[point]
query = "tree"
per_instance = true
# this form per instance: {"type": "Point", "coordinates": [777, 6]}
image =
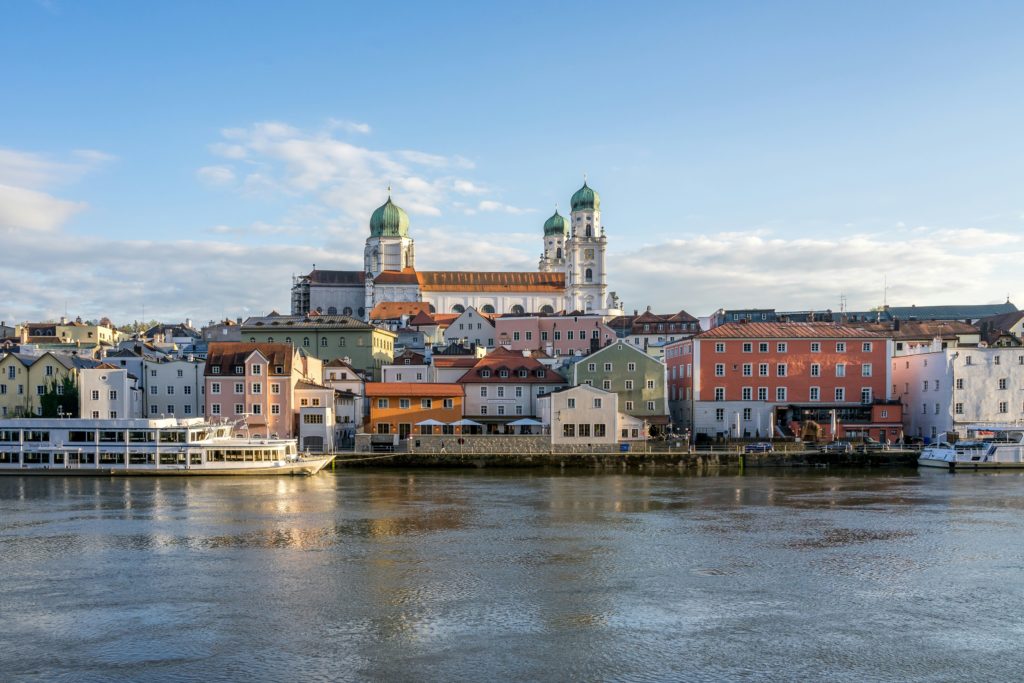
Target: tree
{"type": "Point", "coordinates": [60, 397]}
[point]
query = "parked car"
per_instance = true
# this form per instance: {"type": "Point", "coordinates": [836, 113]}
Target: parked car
{"type": "Point", "coordinates": [872, 446]}
{"type": "Point", "coordinates": [760, 447]}
{"type": "Point", "coordinates": [837, 447]}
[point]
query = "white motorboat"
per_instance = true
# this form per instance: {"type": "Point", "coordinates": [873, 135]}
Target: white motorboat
{"type": "Point", "coordinates": [1005, 450]}
{"type": "Point", "coordinates": [166, 446]}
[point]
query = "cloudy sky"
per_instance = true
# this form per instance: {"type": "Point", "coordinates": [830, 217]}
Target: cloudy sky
{"type": "Point", "coordinates": [186, 159]}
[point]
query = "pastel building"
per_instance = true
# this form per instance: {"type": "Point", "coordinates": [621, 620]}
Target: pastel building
{"type": "Point", "coordinates": [637, 378]}
{"type": "Point", "coordinates": [784, 379]}
{"type": "Point", "coordinates": [256, 385]}
{"type": "Point", "coordinates": [585, 415]}
{"type": "Point", "coordinates": [555, 335]}
{"type": "Point", "coordinates": [398, 407]}
{"type": "Point", "coordinates": [503, 386]}
{"type": "Point", "coordinates": [108, 392]}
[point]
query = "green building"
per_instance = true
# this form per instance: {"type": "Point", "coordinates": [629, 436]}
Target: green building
{"type": "Point", "coordinates": [327, 337]}
{"type": "Point", "coordinates": [637, 378]}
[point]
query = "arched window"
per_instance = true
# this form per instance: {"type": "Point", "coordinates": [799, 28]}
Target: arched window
{"type": "Point", "coordinates": [458, 308]}
{"type": "Point", "coordinates": [347, 310]}
{"type": "Point", "coordinates": [319, 309]}
{"type": "Point", "coordinates": [487, 308]}
{"type": "Point", "coordinates": [305, 341]}
{"type": "Point", "coordinates": [287, 340]}
{"type": "Point", "coordinates": [558, 253]}
{"type": "Point", "coordinates": [547, 309]}
{"type": "Point", "coordinates": [362, 311]}
{"type": "Point", "coordinates": [332, 310]}
{"type": "Point", "coordinates": [590, 231]}
{"type": "Point", "coordinates": [518, 310]}
{"type": "Point", "coordinates": [270, 340]}
{"type": "Point", "coordinates": [252, 340]}
{"type": "Point", "coordinates": [588, 275]}
{"type": "Point", "coordinates": [431, 307]}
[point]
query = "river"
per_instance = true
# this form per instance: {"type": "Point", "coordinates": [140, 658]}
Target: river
{"type": "Point", "coordinates": [532, 575]}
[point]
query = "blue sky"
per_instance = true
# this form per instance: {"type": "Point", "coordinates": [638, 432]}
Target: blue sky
{"type": "Point", "coordinates": [189, 157]}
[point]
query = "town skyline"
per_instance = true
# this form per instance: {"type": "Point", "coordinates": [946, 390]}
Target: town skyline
{"type": "Point", "coordinates": [734, 170]}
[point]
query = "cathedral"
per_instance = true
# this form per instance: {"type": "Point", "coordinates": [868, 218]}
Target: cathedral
{"type": "Point", "coordinates": [571, 275]}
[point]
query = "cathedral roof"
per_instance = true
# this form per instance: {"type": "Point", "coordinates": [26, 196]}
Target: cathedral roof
{"type": "Point", "coordinates": [396, 277]}
{"type": "Point", "coordinates": [556, 225]}
{"type": "Point", "coordinates": [389, 220]}
{"type": "Point", "coordinates": [337, 277]}
{"type": "Point", "coordinates": [457, 281]}
{"type": "Point", "coordinates": [585, 198]}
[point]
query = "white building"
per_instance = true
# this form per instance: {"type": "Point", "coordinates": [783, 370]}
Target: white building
{"type": "Point", "coordinates": [949, 390]}
{"type": "Point", "coordinates": [173, 388]}
{"type": "Point", "coordinates": [106, 392]}
{"type": "Point", "coordinates": [585, 415]}
{"type": "Point", "coordinates": [471, 327]}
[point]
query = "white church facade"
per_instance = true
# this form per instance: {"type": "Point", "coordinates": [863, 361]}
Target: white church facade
{"type": "Point", "coordinates": [571, 274]}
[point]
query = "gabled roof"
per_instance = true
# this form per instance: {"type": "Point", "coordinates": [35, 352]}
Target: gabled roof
{"type": "Point", "coordinates": [459, 281]}
{"type": "Point", "coordinates": [513, 361]}
{"type": "Point", "coordinates": [227, 355]}
{"type": "Point", "coordinates": [757, 330]}
{"type": "Point", "coordinates": [422, 319]}
{"type": "Point", "coordinates": [1003, 321]}
{"type": "Point", "coordinates": [411, 356]}
{"type": "Point", "coordinates": [412, 389]}
{"type": "Point", "coordinates": [390, 310]}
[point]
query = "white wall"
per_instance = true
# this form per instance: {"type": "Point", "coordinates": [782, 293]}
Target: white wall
{"type": "Point", "coordinates": [108, 394]}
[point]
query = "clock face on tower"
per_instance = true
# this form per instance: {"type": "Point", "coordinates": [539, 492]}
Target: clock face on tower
{"type": "Point", "coordinates": [588, 253]}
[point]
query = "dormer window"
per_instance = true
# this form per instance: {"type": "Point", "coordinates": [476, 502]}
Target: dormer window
{"type": "Point", "coordinates": [503, 373]}
{"type": "Point", "coordinates": [523, 373]}
{"type": "Point", "coordinates": [485, 373]}
{"type": "Point", "coordinates": [239, 369]}
{"type": "Point", "coordinates": [540, 373]}
{"type": "Point", "coordinates": [279, 369]}
{"type": "Point", "coordinates": [214, 370]}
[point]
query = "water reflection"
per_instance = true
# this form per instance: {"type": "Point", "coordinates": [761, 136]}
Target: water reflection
{"type": "Point", "coordinates": [513, 575]}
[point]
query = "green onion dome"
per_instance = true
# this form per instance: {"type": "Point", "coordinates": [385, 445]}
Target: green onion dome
{"type": "Point", "coordinates": [556, 225]}
{"type": "Point", "coordinates": [586, 199]}
{"type": "Point", "coordinates": [389, 220]}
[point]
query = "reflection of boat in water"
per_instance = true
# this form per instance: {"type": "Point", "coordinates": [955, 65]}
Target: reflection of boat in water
{"type": "Point", "coordinates": [1004, 450]}
{"type": "Point", "coordinates": [165, 446]}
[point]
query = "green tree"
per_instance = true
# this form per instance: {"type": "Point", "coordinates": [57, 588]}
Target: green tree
{"type": "Point", "coordinates": [60, 397]}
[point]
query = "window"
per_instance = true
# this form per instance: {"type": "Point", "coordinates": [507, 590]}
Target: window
{"type": "Point", "coordinates": [720, 347]}
{"type": "Point", "coordinates": [113, 394]}
{"type": "Point", "coordinates": [748, 347]}
{"type": "Point", "coordinates": [815, 347]}
{"type": "Point", "coordinates": [815, 394]}
{"type": "Point", "coordinates": [762, 369]}
{"type": "Point", "coordinates": [383, 428]}
{"type": "Point", "coordinates": [501, 392]}
{"type": "Point", "coordinates": [449, 403]}
{"type": "Point", "coordinates": [170, 391]}
{"type": "Point", "coordinates": [599, 430]}
{"type": "Point", "coordinates": [866, 347]}
{"type": "Point", "coordinates": [275, 388]}
{"type": "Point", "coordinates": [607, 367]}
{"type": "Point", "coordinates": [239, 387]}
{"type": "Point", "coordinates": [936, 408]}
{"type": "Point", "coordinates": [719, 369]}
{"type": "Point", "coordinates": [748, 369]}
{"type": "Point", "coordinates": [257, 409]}
{"type": "Point", "coordinates": [95, 395]}
{"type": "Point", "coordinates": [924, 385]}
{"type": "Point", "coordinates": [747, 414]}
{"type": "Point", "coordinates": [382, 403]}
{"type": "Point", "coordinates": [214, 409]}
{"type": "Point", "coordinates": [629, 385]}
{"type": "Point", "coordinates": [597, 402]}
{"type": "Point", "coordinates": [483, 392]}
{"type": "Point", "coordinates": [762, 393]}
{"type": "Point", "coordinates": [840, 369]}
{"type": "Point", "coordinates": [257, 388]}
{"type": "Point", "coordinates": [631, 367]}
{"type": "Point", "coordinates": [606, 385]}
{"type": "Point", "coordinates": [781, 369]}
{"type": "Point", "coordinates": [995, 360]}
{"type": "Point", "coordinates": [570, 403]}
{"type": "Point", "coordinates": [958, 408]}
{"type": "Point", "coordinates": [629, 405]}
{"type": "Point", "coordinates": [153, 389]}
{"type": "Point", "coordinates": [781, 347]}
{"type": "Point", "coordinates": [780, 393]}
{"type": "Point", "coordinates": [865, 370]}
{"type": "Point", "coordinates": [404, 403]}
{"type": "Point", "coordinates": [650, 405]}
{"type": "Point", "coordinates": [187, 390]}
{"type": "Point", "coordinates": [719, 393]}
{"type": "Point", "coordinates": [239, 409]}
{"type": "Point", "coordinates": [960, 383]}
{"type": "Point", "coordinates": [720, 414]}
{"type": "Point", "coordinates": [591, 367]}
{"type": "Point", "coordinates": [747, 393]}
{"type": "Point", "coordinates": [650, 384]}
{"type": "Point", "coordinates": [967, 360]}
{"type": "Point", "coordinates": [305, 341]}
{"type": "Point", "coordinates": [815, 370]}
{"type": "Point", "coordinates": [275, 409]}
{"type": "Point", "coordinates": [1002, 383]}
{"type": "Point", "coordinates": [762, 347]}
{"type": "Point", "coordinates": [483, 410]}
{"type": "Point", "coordinates": [840, 394]}
{"type": "Point", "coordinates": [569, 430]}
{"type": "Point", "coordinates": [840, 347]}
{"type": "Point", "coordinates": [323, 342]}
{"type": "Point", "coordinates": [255, 370]}
{"type": "Point", "coordinates": [865, 395]}
{"type": "Point", "coordinates": [153, 410]}
{"type": "Point", "coordinates": [501, 410]}
{"type": "Point", "coordinates": [515, 336]}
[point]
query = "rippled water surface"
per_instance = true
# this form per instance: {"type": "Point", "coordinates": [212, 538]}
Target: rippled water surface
{"type": "Point", "coordinates": [478, 576]}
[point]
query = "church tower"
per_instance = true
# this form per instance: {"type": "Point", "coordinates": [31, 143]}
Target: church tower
{"type": "Point", "coordinates": [586, 280]}
{"type": "Point", "coordinates": [556, 234]}
{"type": "Point", "coordinates": [389, 246]}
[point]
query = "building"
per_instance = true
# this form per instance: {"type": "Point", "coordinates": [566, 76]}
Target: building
{"type": "Point", "coordinates": [27, 380]}
{"type": "Point", "coordinates": [571, 275]}
{"type": "Point", "coordinates": [735, 315]}
{"type": "Point", "coordinates": [471, 327]}
{"type": "Point", "coordinates": [256, 385]}
{"type": "Point", "coordinates": [555, 335]}
{"type": "Point", "coordinates": [326, 337]}
{"type": "Point", "coordinates": [225, 330]}
{"type": "Point", "coordinates": [398, 407]}
{"type": "Point", "coordinates": [649, 331]}
{"type": "Point", "coordinates": [954, 390]}
{"type": "Point", "coordinates": [913, 336]}
{"type": "Point", "coordinates": [637, 378]}
{"type": "Point", "coordinates": [784, 379]}
{"type": "Point", "coordinates": [503, 386]}
{"type": "Point", "coordinates": [408, 367]}
{"type": "Point", "coordinates": [584, 415]}
{"type": "Point", "coordinates": [108, 392]}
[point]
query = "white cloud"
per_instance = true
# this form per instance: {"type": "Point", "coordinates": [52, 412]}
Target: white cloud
{"type": "Point", "coordinates": [493, 206]}
{"type": "Point", "coordinates": [216, 175]}
{"type": "Point", "coordinates": [467, 187]}
{"type": "Point", "coordinates": [22, 209]}
{"type": "Point", "coordinates": [349, 126]}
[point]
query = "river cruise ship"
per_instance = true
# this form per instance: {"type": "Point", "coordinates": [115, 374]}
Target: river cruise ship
{"type": "Point", "coordinates": [165, 446]}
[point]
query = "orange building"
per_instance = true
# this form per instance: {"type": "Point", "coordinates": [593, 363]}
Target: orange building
{"type": "Point", "coordinates": [399, 407]}
{"type": "Point", "coordinates": [783, 379]}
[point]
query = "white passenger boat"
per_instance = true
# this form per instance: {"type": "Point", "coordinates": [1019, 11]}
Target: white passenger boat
{"type": "Point", "coordinates": [165, 446]}
{"type": "Point", "coordinates": [1005, 450]}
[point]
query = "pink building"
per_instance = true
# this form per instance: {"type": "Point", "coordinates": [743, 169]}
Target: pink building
{"type": "Point", "coordinates": [555, 335]}
{"type": "Point", "coordinates": [259, 383]}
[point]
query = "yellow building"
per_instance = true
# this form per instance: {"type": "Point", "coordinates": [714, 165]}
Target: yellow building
{"type": "Point", "coordinates": [25, 379]}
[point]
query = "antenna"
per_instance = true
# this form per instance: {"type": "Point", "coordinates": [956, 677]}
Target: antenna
{"type": "Point", "coordinates": [885, 291]}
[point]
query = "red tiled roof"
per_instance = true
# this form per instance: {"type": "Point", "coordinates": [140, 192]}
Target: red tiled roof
{"type": "Point", "coordinates": [921, 329]}
{"type": "Point", "coordinates": [396, 277]}
{"type": "Point", "coordinates": [387, 310]}
{"type": "Point", "coordinates": [786, 331]}
{"type": "Point", "coordinates": [418, 389]}
{"type": "Point", "coordinates": [454, 361]}
{"type": "Point", "coordinates": [422, 318]}
{"type": "Point", "coordinates": [458, 281]}
{"type": "Point", "coordinates": [227, 355]}
{"type": "Point", "coordinates": [513, 361]}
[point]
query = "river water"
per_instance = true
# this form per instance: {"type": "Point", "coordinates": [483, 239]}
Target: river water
{"type": "Point", "coordinates": [525, 575]}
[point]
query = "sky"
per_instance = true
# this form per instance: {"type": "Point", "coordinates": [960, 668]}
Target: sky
{"type": "Point", "coordinates": [185, 160]}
